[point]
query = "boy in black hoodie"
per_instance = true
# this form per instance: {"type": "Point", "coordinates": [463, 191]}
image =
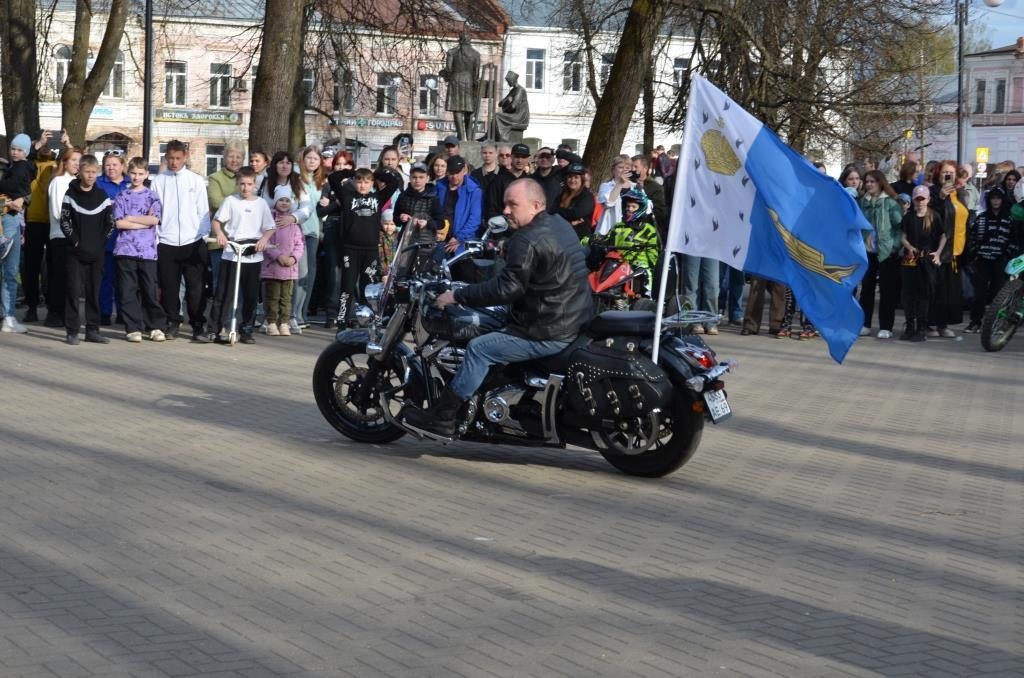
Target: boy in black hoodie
{"type": "Point", "coordinates": [87, 220]}
{"type": "Point", "coordinates": [418, 202]}
{"type": "Point", "coordinates": [359, 223]}
{"type": "Point", "coordinates": [991, 243]}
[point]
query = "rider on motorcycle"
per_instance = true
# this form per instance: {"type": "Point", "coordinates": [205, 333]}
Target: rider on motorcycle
{"type": "Point", "coordinates": [636, 236]}
{"type": "Point", "coordinates": [544, 283]}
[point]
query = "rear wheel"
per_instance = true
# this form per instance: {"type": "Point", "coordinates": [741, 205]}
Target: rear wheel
{"type": "Point", "coordinates": [645, 305]}
{"type": "Point", "coordinates": [678, 433]}
{"type": "Point", "coordinates": [1000, 321]}
{"type": "Point", "coordinates": [339, 373]}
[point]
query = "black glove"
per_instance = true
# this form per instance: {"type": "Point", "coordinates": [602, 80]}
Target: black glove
{"type": "Point", "coordinates": [595, 255]}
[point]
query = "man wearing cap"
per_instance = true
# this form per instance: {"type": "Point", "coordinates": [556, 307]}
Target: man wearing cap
{"type": "Point", "coordinates": [549, 178]}
{"type": "Point", "coordinates": [494, 201]}
{"type": "Point", "coordinates": [544, 283]}
{"type": "Point", "coordinates": [460, 202]}
{"type": "Point", "coordinates": [451, 145]}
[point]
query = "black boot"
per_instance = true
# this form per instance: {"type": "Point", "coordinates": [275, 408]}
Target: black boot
{"type": "Point", "coordinates": [909, 330]}
{"type": "Point", "coordinates": [439, 418]}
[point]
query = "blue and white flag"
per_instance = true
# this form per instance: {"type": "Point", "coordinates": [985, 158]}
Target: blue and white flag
{"type": "Point", "coordinates": [744, 197]}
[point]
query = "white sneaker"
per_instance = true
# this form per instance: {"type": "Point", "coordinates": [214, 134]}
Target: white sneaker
{"type": "Point", "coordinates": [865, 331]}
{"type": "Point", "coordinates": [134, 337]}
{"type": "Point", "coordinates": [947, 333]}
{"type": "Point", "coordinates": [11, 324]}
{"type": "Point", "coordinates": [284, 330]}
{"type": "Point", "coordinates": [884, 334]}
{"type": "Point", "coordinates": [272, 330]}
{"type": "Point", "coordinates": [294, 326]}
{"type": "Point", "coordinates": [157, 335]}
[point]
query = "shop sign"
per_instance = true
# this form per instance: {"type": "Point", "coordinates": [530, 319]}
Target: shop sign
{"type": "Point", "coordinates": [199, 116]}
{"type": "Point", "coordinates": [386, 123]}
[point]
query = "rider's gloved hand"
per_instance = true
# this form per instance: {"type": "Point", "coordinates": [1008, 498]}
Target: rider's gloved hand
{"type": "Point", "coordinates": [595, 255]}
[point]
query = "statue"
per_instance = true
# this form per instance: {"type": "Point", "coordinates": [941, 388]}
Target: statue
{"type": "Point", "coordinates": [513, 114]}
{"type": "Point", "coordinates": [462, 72]}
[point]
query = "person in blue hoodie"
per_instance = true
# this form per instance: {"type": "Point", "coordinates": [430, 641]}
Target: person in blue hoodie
{"type": "Point", "coordinates": [461, 204]}
{"type": "Point", "coordinates": [112, 181]}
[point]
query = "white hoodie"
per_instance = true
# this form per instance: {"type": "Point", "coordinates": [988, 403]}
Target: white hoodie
{"type": "Point", "coordinates": [55, 192]}
{"type": "Point", "coordinates": [186, 208]}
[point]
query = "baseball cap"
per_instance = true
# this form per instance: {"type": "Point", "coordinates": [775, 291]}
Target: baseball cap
{"type": "Point", "coordinates": [418, 167]}
{"type": "Point", "coordinates": [575, 168]}
{"type": "Point", "coordinates": [451, 140]}
{"type": "Point", "coordinates": [522, 150]}
{"type": "Point", "coordinates": [456, 164]}
{"type": "Point", "coordinates": [903, 197]}
{"type": "Point", "coordinates": [921, 192]}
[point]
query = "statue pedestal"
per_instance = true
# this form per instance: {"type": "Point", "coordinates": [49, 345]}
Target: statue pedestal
{"type": "Point", "coordinates": [469, 150]}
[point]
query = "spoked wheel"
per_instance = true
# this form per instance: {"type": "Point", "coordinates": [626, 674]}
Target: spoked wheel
{"type": "Point", "coordinates": [337, 380]}
{"type": "Point", "coordinates": [1002, 317]}
{"type": "Point", "coordinates": [655, 445]}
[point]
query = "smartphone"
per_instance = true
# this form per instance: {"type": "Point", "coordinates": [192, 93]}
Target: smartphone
{"type": "Point", "coordinates": [54, 143]}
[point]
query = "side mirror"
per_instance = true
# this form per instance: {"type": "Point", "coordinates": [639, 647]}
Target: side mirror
{"type": "Point", "coordinates": [498, 224]}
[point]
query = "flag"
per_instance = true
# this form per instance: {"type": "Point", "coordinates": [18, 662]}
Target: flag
{"type": "Point", "coordinates": [746, 198]}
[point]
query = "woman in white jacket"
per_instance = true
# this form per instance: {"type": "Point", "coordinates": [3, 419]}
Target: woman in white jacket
{"type": "Point", "coordinates": [65, 171]}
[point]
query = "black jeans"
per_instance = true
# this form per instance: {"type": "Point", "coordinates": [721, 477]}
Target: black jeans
{"type": "Point", "coordinates": [353, 264]}
{"type": "Point", "coordinates": [173, 262]}
{"type": "Point", "coordinates": [36, 235]}
{"type": "Point", "coordinates": [56, 276]}
{"type": "Point", "coordinates": [249, 290]}
{"type": "Point", "coordinates": [988, 277]}
{"type": "Point", "coordinates": [887, 276]}
{"type": "Point", "coordinates": [83, 280]}
{"type": "Point", "coordinates": [136, 279]}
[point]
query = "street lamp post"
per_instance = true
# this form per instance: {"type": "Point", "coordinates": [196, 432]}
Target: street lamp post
{"type": "Point", "coordinates": [961, 22]}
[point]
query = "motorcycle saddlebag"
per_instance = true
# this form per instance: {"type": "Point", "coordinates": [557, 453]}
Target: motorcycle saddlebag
{"type": "Point", "coordinates": [612, 379]}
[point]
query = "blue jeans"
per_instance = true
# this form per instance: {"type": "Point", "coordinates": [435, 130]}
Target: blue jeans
{"type": "Point", "coordinates": [497, 348]}
{"type": "Point", "coordinates": [9, 282]}
{"type": "Point", "coordinates": [307, 274]}
{"type": "Point", "coordinates": [701, 276]}
{"type": "Point", "coordinates": [215, 257]}
{"type": "Point", "coordinates": [730, 282]}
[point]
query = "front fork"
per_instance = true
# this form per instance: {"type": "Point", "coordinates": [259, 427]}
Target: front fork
{"type": "Point", "coordinates": [379, 351]}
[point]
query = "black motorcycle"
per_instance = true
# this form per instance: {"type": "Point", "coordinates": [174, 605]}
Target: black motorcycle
{"type": "Point", "coordinates": [603, 392]}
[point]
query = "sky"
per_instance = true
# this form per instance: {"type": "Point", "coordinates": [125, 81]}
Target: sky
{"type": "Point", "coordinates": [1005, 23]}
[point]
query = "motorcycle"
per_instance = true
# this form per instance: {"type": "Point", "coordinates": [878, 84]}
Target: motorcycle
{"type": "Point", "coordinates": [1006, 312]}
{"type": "Point", "coordinates": [603, 392]}
{"type": "Point", "coordinates": [617, 286]}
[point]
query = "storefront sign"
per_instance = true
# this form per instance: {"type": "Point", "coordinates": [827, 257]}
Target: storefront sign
{"type": "Point", "coordinates": [192, 115]}
{"type": "Point", "coordinates": [981, 154]}
{"type": "Point", "coordinates": [444, 126]}
{"type": "Point", "coordinates": [392, 123]}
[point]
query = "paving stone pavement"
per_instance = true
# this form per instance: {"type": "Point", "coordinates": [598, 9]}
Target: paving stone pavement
{"type": "Point", "coordinates": [183, 510]}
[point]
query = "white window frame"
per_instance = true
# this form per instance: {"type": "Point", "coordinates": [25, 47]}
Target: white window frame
{"type": "Point", "coordinates": [572, 71]}
{"type": "Point", "coordinates": [680, 67]}
{"type": "Point", "coordinates": [62, 63]}
{"type": "Point", "coordinates": [221, 81]}
{"type": "Point", "coordinates": [605, 70]}
{"type": "Point", "coordinates": [344, 92]}
{"type": "Point", "coordinates": [387, 93]}
{"type": "Point", "coordinates": [217, 158]}
{"type": "Point", "coordinates": [429, 98]}
{"type": "Point", "coordinates": [309, 86]}
{"type": "Point", "coordinates": [535, 69]}
{"type": "Point", "coordinates": [175, 83]}
{"type": "Point", "coordinates": [114, 87]}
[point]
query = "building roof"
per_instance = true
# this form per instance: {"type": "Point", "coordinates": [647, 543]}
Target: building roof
{"type": "Point", "coordinates": [1008, 49]}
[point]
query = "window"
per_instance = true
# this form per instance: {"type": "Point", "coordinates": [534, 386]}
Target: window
{"type": "Point", "coordinates": [607, 60]}
{"type": "Point", "coordinates": [214, 156]}
{"type": "Point", "coordinates": [220, 85]}
{"type": "Point", "coordinates": [1000, 96]}
{"type": "Point", "coordinates": [344, 93]}
{"type": "Point", "coordinates": [428, 95]}
{"type": "Point", "coordinates": [979, 96]}
{"type": "Point", "coordinates": [571, 72]}
{"type": "Point", "coordinates": [535, 69]}
{"type": "Point", "coordinates": [309, 86]}
{"type": "Point", "coordinates": [387, 93]}
{"type": "Point", "coordinates": [680, 67]}
{"type": "Point", "coordinates": [62, 58]}
{"type": "Point", "coordinates": [174, 83]}
{"type": "Point", "coordinates": [115, 83]}
{"type": "Point", "coordinates": [1017, 103]}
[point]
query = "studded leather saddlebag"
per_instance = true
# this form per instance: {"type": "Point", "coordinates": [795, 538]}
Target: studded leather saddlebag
{"type": "Point", "coordinates": [612, 379]}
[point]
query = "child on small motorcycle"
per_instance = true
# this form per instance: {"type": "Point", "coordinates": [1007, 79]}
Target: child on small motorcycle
{"type": "Point", "coordinates": [635, 237]}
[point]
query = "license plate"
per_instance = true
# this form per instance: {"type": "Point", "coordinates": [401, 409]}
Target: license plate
{"type": "Point", "coordinates": [718, 406]}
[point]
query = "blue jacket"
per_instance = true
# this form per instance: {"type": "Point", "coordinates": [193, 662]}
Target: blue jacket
{"type": "Point", "coordinates": [112, 189]}
{"type": "Point", "coordinates": [468, 209]}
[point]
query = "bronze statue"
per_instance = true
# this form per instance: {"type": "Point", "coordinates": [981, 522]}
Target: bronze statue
{"type": "Point", "coordinates": [462, 72]}
{"type": "Point", "coordinates": [513, 114]}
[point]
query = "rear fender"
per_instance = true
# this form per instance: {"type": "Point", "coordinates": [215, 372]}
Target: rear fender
{"type": "Point", "coordinates": [670, 359]}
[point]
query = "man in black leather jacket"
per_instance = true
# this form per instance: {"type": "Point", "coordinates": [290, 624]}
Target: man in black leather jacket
{"type": "Point", "coordinates": [544, 282]}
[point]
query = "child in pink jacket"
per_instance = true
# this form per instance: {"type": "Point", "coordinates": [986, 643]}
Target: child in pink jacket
{"type": "Point", "coordinates": [280, 268]}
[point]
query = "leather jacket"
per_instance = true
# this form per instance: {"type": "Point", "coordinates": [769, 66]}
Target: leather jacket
{"type": "Point", "coordinates": [544, 282]}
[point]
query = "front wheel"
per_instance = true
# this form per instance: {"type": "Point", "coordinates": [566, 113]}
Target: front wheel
{"type": "Point", "coordinates": [679, 433]}
{"type": "Point", "coordinates": [999, 323]}
{"type": "Point", "coordinates": [337, 378]}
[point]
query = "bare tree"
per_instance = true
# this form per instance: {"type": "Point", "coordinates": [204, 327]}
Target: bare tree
{"type": "Point", "coordinates": [18, 70]}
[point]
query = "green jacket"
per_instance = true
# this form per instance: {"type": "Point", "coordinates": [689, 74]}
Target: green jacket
{"type": "Point", "coordinates": [885, 214]}
{"type": "Point", "coordinates": [640, 246]}
{"type": "Point", "coordinates": [220, 185]}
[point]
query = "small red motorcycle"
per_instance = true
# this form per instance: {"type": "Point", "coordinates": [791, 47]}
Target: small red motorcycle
{"type": "Point", "coordinates": [617, 286]}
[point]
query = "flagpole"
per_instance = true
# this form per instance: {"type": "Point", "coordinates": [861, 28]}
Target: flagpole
{"type": "Point", "coordinates": [659, 312]}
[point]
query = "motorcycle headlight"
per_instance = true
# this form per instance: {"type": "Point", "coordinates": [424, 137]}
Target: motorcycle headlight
{"type": "Point", "coordinates": [372, 293]}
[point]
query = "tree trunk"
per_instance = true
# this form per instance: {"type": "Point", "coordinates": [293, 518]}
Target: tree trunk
{"type": "Point", "coordinates": [649, 110]}
{"type": "Point", "coordinates": [632, 62]}
{"type": "Point", "coordinates": [18, 67]}
{"type": "Point", "coordinates": [297, 117]}
{"type": "Point", "coordinates": [280, 63]}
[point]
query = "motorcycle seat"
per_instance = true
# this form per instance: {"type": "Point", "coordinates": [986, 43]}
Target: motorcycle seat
{"type": "Point", "coordinates": [559, 362]}
{"type": "Point", "coordinates": [622, 323]}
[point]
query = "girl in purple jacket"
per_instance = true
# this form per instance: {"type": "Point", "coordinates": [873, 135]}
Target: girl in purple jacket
{"type": "Point", "coordinates": [137, 211]}
{"type": "Point", "coordinates": [280, 267]}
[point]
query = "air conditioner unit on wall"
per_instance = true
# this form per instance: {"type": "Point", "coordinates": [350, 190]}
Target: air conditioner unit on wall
{"type": "Point", "coordinates": [241, 85]}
